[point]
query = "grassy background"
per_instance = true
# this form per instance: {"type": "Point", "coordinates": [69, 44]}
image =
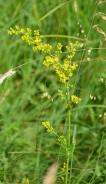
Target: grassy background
{"type": "Point", "coordinates": [26, 149]}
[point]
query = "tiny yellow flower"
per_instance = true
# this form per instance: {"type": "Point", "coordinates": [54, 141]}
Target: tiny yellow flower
{"type": "Point", "coordinates": [68, 106]}
{"type": "Point", "coordinates": [48, 126]}
{"type": "Point", "coordinates": [36, 32]}
{"type": "Point", "coordinates": [75, 99]}
{"type": "Point", "coordinates": [59, 46]}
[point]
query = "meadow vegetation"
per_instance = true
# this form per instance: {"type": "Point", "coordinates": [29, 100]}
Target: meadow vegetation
{"type": "Point", "coordinates": [53, 105]}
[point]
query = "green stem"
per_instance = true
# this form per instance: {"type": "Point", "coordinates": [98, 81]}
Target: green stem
{"type": "Point", "coordinates": [72, 152]}
{"type": "Point", "coordinates": [67, 170]}
{"type": "Point", "coordinates": [69, 133]}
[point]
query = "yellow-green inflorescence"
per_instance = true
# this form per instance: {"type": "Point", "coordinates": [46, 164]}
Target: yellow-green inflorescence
{"type": "Point", "coordinates": [64, 170]}
{"type": "Point", "coordinates": [75, 99]}
{"type": "Point", "coordinates": [63, 69]}
{"type": "Point", "coordinates": [49, 128]}
{"type": "Point", "coordinates": [33, 39]}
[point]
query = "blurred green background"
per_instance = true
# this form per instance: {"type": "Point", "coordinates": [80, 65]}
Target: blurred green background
{"type": "Point", "coordinates": [26, 149]}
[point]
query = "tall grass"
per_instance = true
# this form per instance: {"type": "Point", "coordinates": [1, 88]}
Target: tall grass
{"type": "Point", "coordinates": [27, 149]}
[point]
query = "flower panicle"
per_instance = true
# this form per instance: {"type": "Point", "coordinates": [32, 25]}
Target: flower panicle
{"type": "Point", "coordinates": [63, 69]}
{"type": "Point", "coordinates": [61, 138]}
{"type": "Point", "coordinates": [33, 39]}
{"type": "Point", "coordinates": [75, 99]}
{"type": "Point", "coordinates": [48, 126]}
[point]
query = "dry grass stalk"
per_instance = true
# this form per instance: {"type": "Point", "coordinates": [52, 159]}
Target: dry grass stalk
{"type": "Point", "coordinates": [102, 1]}
{"type": "Point", "coordinates": [6, 75]}
{"type": "Point", "coordinates": [102, 15]}
{"type": "Point", "coordinates": [75, 6]}
{"type": "Point", "coordinates": [50, 176]}
{"type": "Point", "coordinates": [99, 30]}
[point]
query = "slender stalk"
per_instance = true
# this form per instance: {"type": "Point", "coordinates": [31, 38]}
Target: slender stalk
{"type": "Point", "coordinates": [69, 134]}
{"type": "Point", "coordinates": [72, 152]}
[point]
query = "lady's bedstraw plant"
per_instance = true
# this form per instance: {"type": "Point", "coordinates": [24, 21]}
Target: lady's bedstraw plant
{"type": "Point", "coordinates": [64, 69]}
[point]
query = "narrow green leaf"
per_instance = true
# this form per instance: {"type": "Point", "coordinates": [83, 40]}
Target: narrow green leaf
{"type": "Point", "coordinates": [53, 10]}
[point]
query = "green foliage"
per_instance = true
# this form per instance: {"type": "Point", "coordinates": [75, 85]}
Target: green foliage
{"type": "Point", "coordinates": [30, 96]}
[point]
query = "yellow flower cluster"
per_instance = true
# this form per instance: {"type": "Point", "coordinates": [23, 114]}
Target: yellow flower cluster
{"type": "Point", "coordinates": [51, 61]}
{"type": "Point", "coordinates": [61, 138]}
{"type": "Point", "coordinates": [25, 34]}
{"type": "Point", "coordinates": [64, 170]}
{"type": "Point", "coordinates": [68, 106]}
{"type": "Point", "coordinates": [48, 126]}
{"type": "Point", "coordinates": [72, 48]}
{"type": "Point", "coordinates": [63, 69]}
{"type": "Point", "coordinates": [64, 166]}
{"type": "Point", "coordinates": [62, 95]}
{"type": "Point", "coordinates": [75, 99]}
{"type": "Point", "coordinates": [59, 47]}
{"type": "Point", "coordinates": [31, 39]}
